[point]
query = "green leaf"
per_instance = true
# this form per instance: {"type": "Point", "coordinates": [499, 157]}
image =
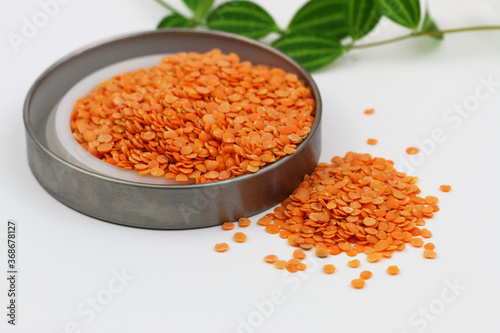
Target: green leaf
{"type": "Point", "coordinates": [321, 16]}
{"type": "Point", "coordinates": [430, 25]}
{"type": "Point", "coordinates": [175, 21]}
{"type": "Point", "coordinates": [199, 7]}
{"type": "Point", "coordinates": [362, 17]}
{"type": "Point", "coordinates": [403, 12]}
{"type": "Point", "coordinates": [311, 51]}
{"type": "Point", "coordinates": [242, 17]}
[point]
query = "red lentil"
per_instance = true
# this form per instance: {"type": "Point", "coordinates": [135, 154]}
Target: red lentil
{"type": "Point", "coordinates": [354, 263]}
{"type": "Point", "coordinates": [412, 150]}
{"type": "Point", "coordinates": [221, 247]}
{"type": "Point", "coordinates": [445, 188]}
{"type": "Point", "coordinates": [393, 270]}
{"type": "Point", "coordinates": [240, 237]}
{"type": "Point", "coordinates": [270, 258]}
{"type": "Point", "coordinates": [301, 266]}
{"type": "Point", "coordinates": [244, 222]}
{"type": "Point", "coordinates": [374, 257]}
{"type": "Point", "coordinates": [417, 242]}
{"type": "Point", "coordinates": [429, 246]}
{"type": "Point", "coordinates": [329, 269]}
{"type": "Point", "coordinates": [280, 264]}
{"type": "Point", "coordinates": [299, 254]}
{"type": "Point", "coordinates": [228, 226]}
{"type": "Point", "coordinates": [430, 254]}
{"type": "Point", "coordinates": [365, 275]}
{"type": "Point", "coordinates": [358, 283]}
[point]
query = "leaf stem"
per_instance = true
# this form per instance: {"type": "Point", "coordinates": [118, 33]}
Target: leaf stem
{"type": "Point", "coordinates": [424, 33]}
{"type": "Point", "coordinates": [167, 6]}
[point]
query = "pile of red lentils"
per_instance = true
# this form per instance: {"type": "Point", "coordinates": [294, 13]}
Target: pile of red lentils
{"type": "Point", "coordinates": [356, 204]}
{"type": "Point", "coordinates": [202, 117]}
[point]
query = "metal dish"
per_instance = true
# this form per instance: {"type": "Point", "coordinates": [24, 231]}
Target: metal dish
{"type": "Point", "coordinates": [150, 205]}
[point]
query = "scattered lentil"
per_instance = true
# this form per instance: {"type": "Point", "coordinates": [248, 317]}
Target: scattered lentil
{"type": "Point", "coordinates": [228, 226]}
{"type": "Point", "coordinates": [412, 150]}
{"type": "Point", "coordinates": [270, 258]}
{"type": "Point", "coordinates": [221, 247]}
{"type": "Point", "coordinates": [393, 270]}
{"type": "Point", "coordinates": [322, 252]}
{"type": "Point", "coordinates": [425, 233]}
{"type": "Point", "coordinates": [445, 188]}
{"type": "Point", "coordinates": [280, 264]}
{"type": "Point", "coordinates": [365, 275]}
{"type": "Point", "coordinates": [244, 222]}
{"type": "Point", "coordinates": [430, 254]}
{"type": "Point", "coordinates": [374, 257]}
{"type": "Point", "coordinates": [354, 263]}
{"type": "Point", "coordinates": [358, 283]}
{"type": "Point", "coordinates": [369, 111]}
{"type": "Point", "coordinates": [372, 141]}
{"type": "Point", "coordinates": [329, 268]}
{"type": "Point", "coordinates": [429, 246]}
{"type": "Point", "coordinates": [299, 254]}
{"type": "Point", "coordinates": [301, 266]}
{"type": "Point", "coordinates": [417, 242]}
{"type": "Point", "coordinates": [240, 237]}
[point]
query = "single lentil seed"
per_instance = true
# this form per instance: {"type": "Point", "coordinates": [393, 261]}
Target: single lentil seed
{"type": "Point", "coordinates": [365, 275]}
{"type": "Point", "coordinates": [358, 283]}
{"type": "Point", "coordinates": [412, 150]}
{"type": "Point", "coordinates": [280, 264]}
{"type": "Point", "coordinates": [221, 247]}
{"type": "Point", "coordinates": [273, 229]}
{"type": "Point", "coordinates": [299, 254]}
{"type": "Point", "coordinates": [352, 253]}
{"type": "Point", "coordinates": [240, 237]}
{"type": "Point", "coordinates": [228, 226]}
{"type": "Point", "coordinates": [322, 252]}
{"type": "Point", "coordinates": [301, 266]}
{"type": "Point", "coordinates": [425, 233]}
{"type": "Point", "coordinates": [430, 254]}
{"type": "Point", "coordinates": [354, 263]}
{"type": "Point", "coordinates": [431, 199]}
{"type": "Point", "coordinates": [244, 222]}
{"type": "Point", "coordinates": [393, 270]}
{"type": "Point", "coordinates": [329, 268]}
{"type": "Point", "coordinates": [270, 258]}
{"type": "Point", "coordinates": [429, 246]}
{"type": "Point", "coordinates": [445, 188]}
{"type": "Point", "coordinates": [417, 242]}
{"type": "Point", "coordinates": [372, 142]}
{"type": "Point", "coordinates": [374, 257]}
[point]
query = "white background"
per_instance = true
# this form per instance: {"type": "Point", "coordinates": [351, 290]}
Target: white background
{"type": "Point", "coordinates": [178, 283]}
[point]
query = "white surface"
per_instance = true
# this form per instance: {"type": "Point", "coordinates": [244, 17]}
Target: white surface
{"type": "Point", "coordinates": [181, 285]}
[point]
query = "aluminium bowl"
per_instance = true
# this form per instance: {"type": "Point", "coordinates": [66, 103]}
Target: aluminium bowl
{"type": "Point", "coordinates": [150, 205]}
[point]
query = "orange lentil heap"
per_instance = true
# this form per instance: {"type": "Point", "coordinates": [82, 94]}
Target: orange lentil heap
{"type": "Point", "coordinates": [203, 117]}
{"type": "Point", "coordinates": [357, 204]}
